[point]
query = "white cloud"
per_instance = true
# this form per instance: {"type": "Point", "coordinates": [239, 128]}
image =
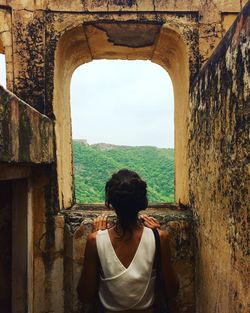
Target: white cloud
{"type": "Point", "coordinates": [123, 102]}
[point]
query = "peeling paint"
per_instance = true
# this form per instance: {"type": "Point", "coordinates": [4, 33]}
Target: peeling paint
{"type": "Point", "coordinates": [131, 35]}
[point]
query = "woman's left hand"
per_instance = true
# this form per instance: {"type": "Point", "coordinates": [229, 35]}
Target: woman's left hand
{"type": "Point", "coordinates": [100, 222]}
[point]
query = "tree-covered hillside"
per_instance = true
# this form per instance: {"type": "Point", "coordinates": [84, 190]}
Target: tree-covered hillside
{"type": "Point", "coordinates": [94, 164]}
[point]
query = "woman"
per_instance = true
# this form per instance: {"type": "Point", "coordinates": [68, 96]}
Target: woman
{"type": "Point", "coordinates": [119, 263]}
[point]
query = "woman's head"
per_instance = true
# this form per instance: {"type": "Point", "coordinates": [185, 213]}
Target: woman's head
{"type": "Point", "coordinates": [126, 192]}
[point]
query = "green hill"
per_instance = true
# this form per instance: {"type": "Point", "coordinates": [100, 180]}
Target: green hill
{"type": "Point", "coordinates": [94, 164]}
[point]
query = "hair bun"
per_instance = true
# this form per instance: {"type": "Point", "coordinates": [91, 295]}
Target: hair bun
{"type": "Point", "coordinates": [126, 191]}
{"type": "Point", "coordinates": [138, 183]}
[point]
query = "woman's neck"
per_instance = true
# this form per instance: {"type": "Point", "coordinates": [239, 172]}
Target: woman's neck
{"type": "Point", "coordinates": [133, 226]}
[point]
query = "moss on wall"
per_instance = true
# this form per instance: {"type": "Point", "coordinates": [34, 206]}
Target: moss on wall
{"type": "Point", "coordinates": [25, 134]}
{"type": "Point", "coordinates": [218, 175]}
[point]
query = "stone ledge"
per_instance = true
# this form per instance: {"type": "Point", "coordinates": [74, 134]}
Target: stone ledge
{"type": "Point", "coordinates": [165, 214]}
{"type": "Point", "coordinates": [25, 134]}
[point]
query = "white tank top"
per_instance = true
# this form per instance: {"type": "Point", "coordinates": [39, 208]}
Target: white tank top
{"type": "Point", "coordinates": [124, 288]}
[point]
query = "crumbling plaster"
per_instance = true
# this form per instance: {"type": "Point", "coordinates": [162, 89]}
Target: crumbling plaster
{"type": "Point", "coordinates": [219, 173]}
{"type": "Point", "coordinates": [90, 42]}
{"type": "Point", "coordinates": [25, 134]}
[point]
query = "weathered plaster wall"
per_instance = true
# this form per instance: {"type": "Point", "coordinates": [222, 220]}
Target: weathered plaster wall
{"type": "Point", "coordinates": [26, 144]}
{"type": "Point", "coordinates": [44, 244]}
{"type": "Point", "coordinates": [78, 224]}
{"type": "Point", "coordinates": [219, 173]}
{"type": "Point", "coordinates": [164, 45]}
{"type": "Point", "coordinates": [25, 134]}
{"type": "Point", "coordinates": [48, 264]}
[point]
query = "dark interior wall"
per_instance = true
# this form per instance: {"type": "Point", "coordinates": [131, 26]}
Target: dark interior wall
{"type": "Point", "coordinates": [13, 246]}
{"type": "Point", "coordinates": [5, 246]}
{"type": "Point", "coordinates": [219, 181]}
{"type": "Point", "coordinates": [19, 246]}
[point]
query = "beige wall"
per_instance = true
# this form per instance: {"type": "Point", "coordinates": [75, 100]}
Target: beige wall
{"type": "Point", "coordinates": [219, 173]}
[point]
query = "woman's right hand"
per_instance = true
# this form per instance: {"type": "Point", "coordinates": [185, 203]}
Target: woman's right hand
{"type": "Point", "coordinates": [100, 223]}
{"type": "Point", "coordinates": [149, 221]}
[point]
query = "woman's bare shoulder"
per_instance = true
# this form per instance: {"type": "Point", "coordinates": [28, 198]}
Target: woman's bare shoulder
{"type": "Point", "coordinates": [164, 235]}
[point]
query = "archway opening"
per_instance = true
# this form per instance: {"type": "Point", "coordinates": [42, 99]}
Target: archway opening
{"type": "Point", "coordinates": [122, 117]}
{"type": "Point", "coordinates": [83, 44]}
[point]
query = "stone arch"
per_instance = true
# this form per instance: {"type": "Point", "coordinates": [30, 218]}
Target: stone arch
{"type": "Point", "coordinates": [160, 44]}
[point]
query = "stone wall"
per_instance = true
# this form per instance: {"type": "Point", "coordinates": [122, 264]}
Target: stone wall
{"type": "Point", "coordinates": [218, 174]}
{"type": "Point", "coordinates": [25, 134]}
{"type": "Point", "coordinates": [78, 224]}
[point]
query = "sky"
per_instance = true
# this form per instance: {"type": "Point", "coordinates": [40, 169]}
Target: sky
{"type": "Point", "coordinates": [2, 70]}
{"type": "Point", "coordinates": [120, 102]}
{"type": "Point", "coordinates": [123, 103]}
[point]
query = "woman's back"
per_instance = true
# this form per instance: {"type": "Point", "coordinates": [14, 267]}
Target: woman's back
{"type": "Point", "coordinates": [125, 247]}
{"type": "Point", "coordinates": [126, 287]}
{"type": "Point", "coordinates": [118, 262]}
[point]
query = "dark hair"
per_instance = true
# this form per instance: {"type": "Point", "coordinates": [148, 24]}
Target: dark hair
{"type": "Point", "coordinates": [126, 192]}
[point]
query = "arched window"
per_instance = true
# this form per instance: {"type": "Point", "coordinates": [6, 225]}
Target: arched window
{"type": "Point", "coordinates": [122, 116]}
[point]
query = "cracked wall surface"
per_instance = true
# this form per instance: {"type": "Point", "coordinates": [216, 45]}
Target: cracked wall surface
{"type": "Point", "coordinates": [219, 173]}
